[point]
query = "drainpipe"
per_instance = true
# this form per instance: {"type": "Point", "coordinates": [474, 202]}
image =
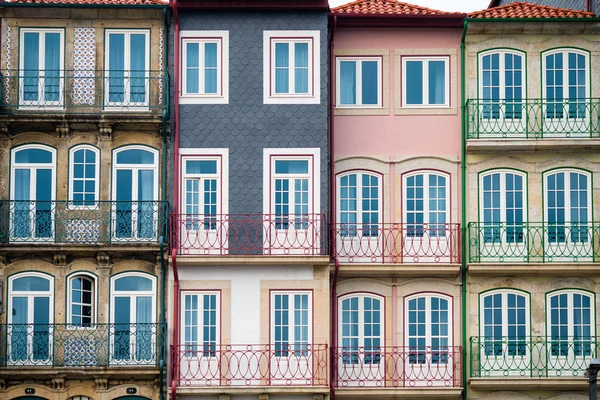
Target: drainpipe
{"type": "Point", "coordinates": [332, 247]}
{"type": "Point", "coordinates": [174, 242]}
{"type": "Point", "coordinates": [463, 187]}
{"type": "Point", "coordinates": [587, 5]}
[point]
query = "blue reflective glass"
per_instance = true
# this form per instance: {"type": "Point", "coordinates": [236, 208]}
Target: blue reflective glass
{"type": "Point", "coordinates": [437, 82]}
{"type": "Point", "coordinates": [38, 156]}
{"type": "Point", "coordinates": [291, 167]}
{"type": "Point", "coordinates": [133, 283]}
{"type": "Point", "coordinates": [135, 156]}
{"type": "Point", "coordinates": [347, 82]}
{"type": "Point", "coordinates": [414, 82]}
{"type": "Point", "coordinates": [200, 167]}
{"type": "Point", "coordinates": [31, 284]}
{"type": "Point", "coordinates": [192, 67]}
{"type": "Point", "coordinates": [370, 72]}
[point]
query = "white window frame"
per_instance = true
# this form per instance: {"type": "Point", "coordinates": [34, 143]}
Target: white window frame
{"type": "Point", "coordinates": [218, 176]}
{"type": "Point", "coordinates": [426, 173]}
{"type": "Point", "coordinates": [567, 190]}
{"type": "Point", "coordinates": [72, 151]}
{"type": "Point", "coordinates": [361, 315]}
{"type": "Point", "coordinates": [502, 70]}
{"type": "Point", "coordinates": [94, 279]}
{"type": "Point", "coordinates": [221, 38]}
{"type": "Point", "coordinates": [200, 325]}
{"type": "Point", "coordinates": [359, 198]}
{"type": "Point", "coordinates": [291, 321]}
{"type": "Point", "coordinates": [125, 106]}
{"type": "Point", "coordinates": [565, 51]}
{"type": "Point", "coordinates": [314, 67]}
{"type": "Point", "coordinates": [425, 61]}
{"type": "Point", "coordinates": [502, 173]}
{"type": "Point", "coordinates": [428, 296]}
{"type": "Point", "coordinates": [135, 167]}
{"type": "Point", "coordinates": [57, 105]}
{"type": "Point", "coordinates": [358, 60]}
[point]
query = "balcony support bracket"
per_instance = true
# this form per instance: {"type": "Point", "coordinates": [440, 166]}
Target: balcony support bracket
{"type": "Point", "coordinates": [105, 131]}
{"type": "Point", "coordinates": [63, 130]}
{"type": "Point", "coordinates": [60, 259]}
{"type": "Point", "coordinates": [58, 384]}
{"type": "Point", "coordinates": [2, 384]}
{"type": "Point", "coordinates": [101, 385]}
{"type": "Point", "coordinates": [4, 133]}
{"type": "Point", "coordinates": [4, 259]}
{"type": "Point", "coordinates": [103, 260]}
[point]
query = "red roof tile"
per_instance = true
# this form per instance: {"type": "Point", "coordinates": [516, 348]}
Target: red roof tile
{"type": "Point", "coordinates": [527, 10]}
{"type": "Point", "coordinates": [389, 7]}
{"type": "Point", "coordinates": [94, 2]}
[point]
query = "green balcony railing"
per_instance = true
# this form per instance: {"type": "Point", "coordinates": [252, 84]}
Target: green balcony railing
{"type": "Point", "coordinates": [531, 356]}
{"type": "Point", "coordinates": [534, 242]}
{"type": "Point", "coordinates": [69, 222]}
{"type": "Point", "coordinates": [82, 92]}
{"type": "Point", "coordinates": [98, 345]}
{"type": "Point", "coordinates": [533, 118]}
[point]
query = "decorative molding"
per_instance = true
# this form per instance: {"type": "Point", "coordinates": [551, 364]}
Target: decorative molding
{"type": "Point", "coordinates": [160, 66]}
{"type": "Point", "coordinates": [4, 132]}
{"type": "Point", "coordinates": [84, 66]}
{"type": "Point", "coordinates": [2, 384]}
{"type": "Point", "coordinates": [103, 260]}
{"type": "Point", "coordinates": [101, 384]}
{"type": "Point", "coordinates": [4, 259]}
{"type": "Point", "coordinates": [60, 259]}
{"type": "Point", "coordinates": [105, 131]}
{"type": "Point", "coordinates": [58, 384]}
{"type": "Point", "coordinates": [62, 130]}
{"type": "Point", "coordinates": [8, 65]}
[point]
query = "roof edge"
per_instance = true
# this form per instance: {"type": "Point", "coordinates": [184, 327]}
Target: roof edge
{"type": "Point", "coordinates": [399, 20]}
{"type": "Point", "coordinates": [90, 5]}
{"type": "Point", "coordinates": [255, 4]}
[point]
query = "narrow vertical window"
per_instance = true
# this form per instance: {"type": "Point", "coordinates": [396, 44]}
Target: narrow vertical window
{"type": "Point", "coordinates": [201, 323]}
{"type": "Point", "coordinates": [84, 166]}
{"type": "Point", "coordinates": [291, 323]}
{"type": "Point", "coordinates": [81, 304]}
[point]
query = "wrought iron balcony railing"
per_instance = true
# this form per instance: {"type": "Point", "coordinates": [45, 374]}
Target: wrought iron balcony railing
{"type": "Point", "coordinates": [68, 222]}
{"type": "Point", "coordinates": [534, 242]}
{"type": "Point", "coordinates": [98, 345]}
{"type": "Point", "coordinates": [213, 365]}
{"type": "Point", "coordinates": [397, 243]}
{"type": "Point", "coordinates": [248, 234]}
{"type": "Point", "coordinates": [399, 367]}
{"type": "Point", "coordinates": [81, 92]}
{"type": "Point", "coordinates": [533, 118]}
{"type": "Point", "coordinates": [532, 356]}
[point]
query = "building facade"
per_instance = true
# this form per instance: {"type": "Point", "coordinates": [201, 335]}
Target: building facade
{"type": "Point", "coordinates": [83, 215]}
{"type": "Point", "coordinates": [396, 188]}
{"type": "Point", "coordinates": [250, 269]}
{"type": "Point", "coordinates": [532, 170]}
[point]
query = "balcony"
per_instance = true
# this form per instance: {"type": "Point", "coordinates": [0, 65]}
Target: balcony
{"type": "Point", "coordinates": [248, 235]}
{"type": "Point", "coordinates": [67, 223]}
{"type": "Point", "coordinates": [65, 92]}
{"type": "Point", "coordinates": [535, 243]}
{"type": "Point", "coordinates": [526, 122]}
{"type": "Point", "coordinates": [206, 366]}
{"type": "Point", "coordinates": [32, 346]}
{"type": "Point", "coordinates": [535, 362]}
{"type": "Point", "coordinates": [375, 246]}
{"type": "Point", "coordinates": [399, 367]}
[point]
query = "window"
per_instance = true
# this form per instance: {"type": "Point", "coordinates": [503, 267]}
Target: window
{"type": "Point", "coordinates": [30, 318]}
{"type": "Point", "coordinates": [426, 197]}
{"type": "Point", "coordinates": [359, 205]}
{"type": "Point", "coordinates": [135, 193]}
{"type": "Point", "coordinates": [503, 211]}
{"type": "Point", "coordinates": [568, 206]}
{"type": "Point", "coordinates": [291, 67]}
{"type": "Point", "coordinates": [127, 66]}
{"type": "Point", "coordinates": [291, 323]}
{"type": "Point", "coordinates": [361, 329]}
{"type": "Point", "coordinates": [565, 81]}
{"type": "Point", "coordinates": [81, 300]}
{"type": "Point", "coordinates": [570, 323]}
{"type": "Point", "coordinates": [33, 188]}
{"type": "Point", "coordinates": [201, 318]}
{"type": "Point", "coordinates": [133, 331]}
{"type": "Point", "coordinates": [41, 65]}
{"type": "Point", "coordinates": [205, 67]}
{"type": "Point", "coordinates": [502, 87]}
{"type": "Point", "coordinates": [84, 173]}
{"type": "Point", "coordinates": [425, 82]}
{"type": "Point", "coordinates": [359, 82]}
{"type": "Point", "coordinates": [504, 323]}
{"type": "Point", "coordinates": [201, 179]}
{"type": "Point", "coordinates": [429, 334]}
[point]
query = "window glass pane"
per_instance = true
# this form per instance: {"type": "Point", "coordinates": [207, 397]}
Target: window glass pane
{"type": "Point", "coordinates": [210, 65]}
{"type": "Point", "coordinates": [437, 82]}
{"type": "Point", "coordinates": [291, 167]}
{"type": "Point", "coordinates": [414, 82]}
{"type": "Point", "coordinates": [348, 82]}
{"type": "Point", "coordinates": [133, 283]}
{"type": "Point", "coordinates": [370, 73]}
{"type": "Point", "coordinates": [200, 167]}
{"type": "Point", "coordinates": [282, 63]}
{"type": "Point", "coordinates": [135, 156]}
{"type": "Point", "coordinates": [192, 67]}
{"type": "Point", "coordinates": [38, 156]}
{"type": "Point", "coordinates": [301, 70]}
{"type": "Point", "coordinates": [137, 85]}
{"type": "Point", "coordinates": [31, 284]}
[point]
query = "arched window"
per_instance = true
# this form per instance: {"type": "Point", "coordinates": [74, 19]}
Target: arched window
{"type": "Point", "coordinates": [81, 300]}
{"type": "Point", "coordinates": [133, 318]}
{"type": "Point", "coordinates": [426, 203]}
{"type": "Point", "coordinates": [135, 193]}
{"type": "Point", "coordinates": [566, 84]}
{"type": "Point", "coordinates": [32, 193]}
{"type": "Point", "coordinates": [359, 204]}
{"type": "Point", "coordinates": [361, 328]}
{"type": "Point", "coordinates": [84, 176]}
{"type": "Point", "coordinates": [30, 318]}
{"type": "Point", "coordinates": [502, 84]}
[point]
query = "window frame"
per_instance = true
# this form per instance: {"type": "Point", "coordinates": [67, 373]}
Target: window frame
{"type": "Point", "coordinates": [72, 178]}
{"type": "Point", "coordinates": [200, 326]}
{"type": "Point", "coordinates": [504, 292]}
{"type": "Point", "coordinates": [11, 293]}
{"type": "Point", "coordinates": [270, 38]}
{"type": "Point", "coordinates": [565, 51]}
{"type": "Point", "coordinates": [425, 89]}
{"type": "Point", "coordinates": [359, 199]}
{"type": "Point", "coordinates": [40, 103]}
{"type": "Point", "coordinates": [218, 176]}
{"type": "Point", "coordinates": [503, 193]}
{"type": "Point", "coordinates": [361, 322]}
{"type": "Point", "coordinates": [570, 313]}
{"type": "Point", "coordinates": [94, 279]}
{"type": "Point", "coordinates": [502, 71]}
{"type": "Point", "coordinates": [567, 189]}
{"type": "Point", "coordinates": [291, 350]}
{"type": "Point", "coordinates": [221, 38]}
{"type": "Point", "coordinates": [135, 167]}
{"type": "Point", "coordinates": [358, 60]}
{"type": "Point", "coordinates": [126, 105]}
{"type": "Point", "coordinates": [32, 166]}
{"type": "Point", "coordinates": [426, 188]}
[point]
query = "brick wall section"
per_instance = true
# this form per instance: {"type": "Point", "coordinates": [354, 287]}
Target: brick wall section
{"type": "Point", "coordinates": [246, 125]}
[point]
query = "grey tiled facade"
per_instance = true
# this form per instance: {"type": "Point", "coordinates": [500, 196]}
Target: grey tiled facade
{"type": "Point", "coordinates": [572, 4]}
{"type": "Point", "coordinates": [246, 126]}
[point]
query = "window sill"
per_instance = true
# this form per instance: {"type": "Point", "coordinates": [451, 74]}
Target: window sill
{"type": "Point", "coordinates": [425, 111]}
{"type": "Point", "coordinates": [361, 111]}
{"type": "Point", "coordinates": [300, 99]}
{"type": "Point", "coordinates": [203, 100]}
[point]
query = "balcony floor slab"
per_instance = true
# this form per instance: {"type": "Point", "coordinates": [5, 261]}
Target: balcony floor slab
{"type": "Point", "coordinates": [534, 269]}
{"type": "Point", "coordinates": [531, 384]}
{"type": "Point", "coordinates": [500, 145]}
{"type": "Point", "coordinates": [208, 391]}
{"type": "Point", "coordinates": [266, 260]}
{"type": "Point", "coordinates": [398, 393]}
{"type": "Point", "coordinates": [399, 270]}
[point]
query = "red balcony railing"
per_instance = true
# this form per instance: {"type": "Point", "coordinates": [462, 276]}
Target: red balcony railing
{"type": "Point", "coordinates": [209, 365]}
{"type": "Point", "coordinates": [397, 243]}
{"type": "Point", "coordinates": [399, 367]}
{"type": "Point", "coordinates": [248, 234]}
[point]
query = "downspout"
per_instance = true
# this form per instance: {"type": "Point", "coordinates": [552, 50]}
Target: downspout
{"type": "Point", "coordinates": [174, 227]}
{"type": "Point", "coordinates": [587, 5]}
{"type": "Point", "coordinates": [332, 219]}
{"type": "Point", "coordinates": [463, 168]}
{"type": "Point", "coordinates": [164, 265]}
